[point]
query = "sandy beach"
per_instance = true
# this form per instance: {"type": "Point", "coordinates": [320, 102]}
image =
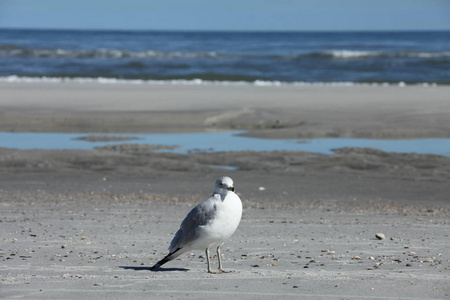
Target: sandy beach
{"type": "Point", "coordinates": [90, 223]}
{"type": "Point", "coordinates": [266, 111]}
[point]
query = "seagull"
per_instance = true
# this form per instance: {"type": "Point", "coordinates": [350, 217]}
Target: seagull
{"type": "Point", "coordinates": [208, 224]}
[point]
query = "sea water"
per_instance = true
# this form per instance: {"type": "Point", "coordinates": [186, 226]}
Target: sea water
{"type": "Point", "coordinates": [223, 57]}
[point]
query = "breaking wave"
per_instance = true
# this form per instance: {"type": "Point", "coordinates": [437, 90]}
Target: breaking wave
{"type": "Point", "coordinates": [196, 81]}
{"type": "Point", "coordinates": [23, 52]}
{"type": "Point", "coordinates": [15, 51]}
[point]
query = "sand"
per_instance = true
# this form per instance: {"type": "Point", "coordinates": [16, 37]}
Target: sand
{"type": "Point", "coordinates": [83, 224]}
{"type": "Point", "coordinates": [275, 112]}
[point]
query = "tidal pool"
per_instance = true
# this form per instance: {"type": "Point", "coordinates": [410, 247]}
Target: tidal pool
{"type": "Point", "coordinates": [217, 142]}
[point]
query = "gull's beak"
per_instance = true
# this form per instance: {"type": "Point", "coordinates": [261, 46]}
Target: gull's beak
{"type": "Point", "coordinates": [231, 188]}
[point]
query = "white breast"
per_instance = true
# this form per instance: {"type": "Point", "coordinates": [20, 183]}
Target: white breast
{"type": "Point", "coordinates": [224, 224]}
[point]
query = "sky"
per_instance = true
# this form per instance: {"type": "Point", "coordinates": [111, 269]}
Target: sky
{"type": "Point", "coordinates": [264, 15]}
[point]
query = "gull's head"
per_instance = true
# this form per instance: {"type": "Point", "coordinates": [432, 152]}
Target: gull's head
{"type": "Point", "coordinates": [224, 184]}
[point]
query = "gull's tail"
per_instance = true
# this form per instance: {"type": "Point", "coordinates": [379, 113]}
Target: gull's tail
{"type": "Point", "coordinates": [168, 258]}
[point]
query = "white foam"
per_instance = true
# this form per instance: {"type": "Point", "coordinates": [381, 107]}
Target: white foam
{"type": "Point", "coordinates": [197, 81]}
{"type": "Point", "coordinates": [430, 54]}
{"type": "Point", "coordinates": [348, 54]}
{"type": "Point", "coordinates": [101, 53]}
{"type": "Point", "coordinates": [352, 53]}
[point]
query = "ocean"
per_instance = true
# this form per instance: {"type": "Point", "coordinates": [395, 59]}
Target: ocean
{"type": "Point", "coordinates": [226, 57]}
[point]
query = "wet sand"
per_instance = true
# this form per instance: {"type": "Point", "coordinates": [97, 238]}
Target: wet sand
{"type": "Point", "coordinates": [77, 224]}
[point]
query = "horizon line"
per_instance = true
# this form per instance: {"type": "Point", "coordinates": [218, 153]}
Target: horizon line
{"type": "Point", "coordinates": [226, 30]}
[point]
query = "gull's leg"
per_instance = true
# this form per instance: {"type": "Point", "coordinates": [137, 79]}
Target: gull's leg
{"type": "Point", "coordinates": [219, 256]}
{"type": "Point", "coordinates": [207, 260]}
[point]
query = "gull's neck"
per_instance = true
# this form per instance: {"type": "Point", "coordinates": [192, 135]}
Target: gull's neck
{"type": "Point", "coordinates": [222, 192]}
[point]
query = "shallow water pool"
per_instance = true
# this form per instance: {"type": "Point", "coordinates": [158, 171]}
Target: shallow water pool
{"type": "Point", "coordinates": [218, 142]}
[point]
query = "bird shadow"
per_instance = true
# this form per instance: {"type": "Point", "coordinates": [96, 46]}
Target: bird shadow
{"type": "Point", "coordinates": [149, 269]}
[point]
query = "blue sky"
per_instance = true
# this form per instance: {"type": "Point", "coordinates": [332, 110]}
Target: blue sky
{"type": "Point", "coordinates": [227, 15]}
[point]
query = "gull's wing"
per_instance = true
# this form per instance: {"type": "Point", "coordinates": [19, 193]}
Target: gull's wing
{"type": "Point", "coordinates": [198, 216]}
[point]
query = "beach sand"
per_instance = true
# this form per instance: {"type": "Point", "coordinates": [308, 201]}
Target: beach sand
{"type": "Point", "coordinates": [271, 111]}
{"type": "Point", "coordinates": [83, 224]}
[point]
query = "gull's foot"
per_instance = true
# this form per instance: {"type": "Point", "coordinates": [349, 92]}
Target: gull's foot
{"type": "Point", "coordinates": [226, 271]}
{"type": "Point", "coordinates": [220, 271]}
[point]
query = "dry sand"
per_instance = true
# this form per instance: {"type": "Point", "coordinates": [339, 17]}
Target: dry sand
{"type": "Point", "coordinates": [276, 112]}
{"type": "Point", "coordinates": [85, 224]}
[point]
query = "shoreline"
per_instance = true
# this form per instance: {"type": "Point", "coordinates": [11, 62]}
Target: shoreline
{"type": "Point", "coordinates": [199, 82]}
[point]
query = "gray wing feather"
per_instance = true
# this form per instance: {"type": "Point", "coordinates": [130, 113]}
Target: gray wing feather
{"type": "Point", "coordinates": [198, 216]}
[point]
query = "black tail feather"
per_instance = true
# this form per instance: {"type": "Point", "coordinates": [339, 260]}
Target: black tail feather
{"type": "Point", "coordinates": [160, 263]}
{"type": "Point", "coordinates": [168, 258]}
